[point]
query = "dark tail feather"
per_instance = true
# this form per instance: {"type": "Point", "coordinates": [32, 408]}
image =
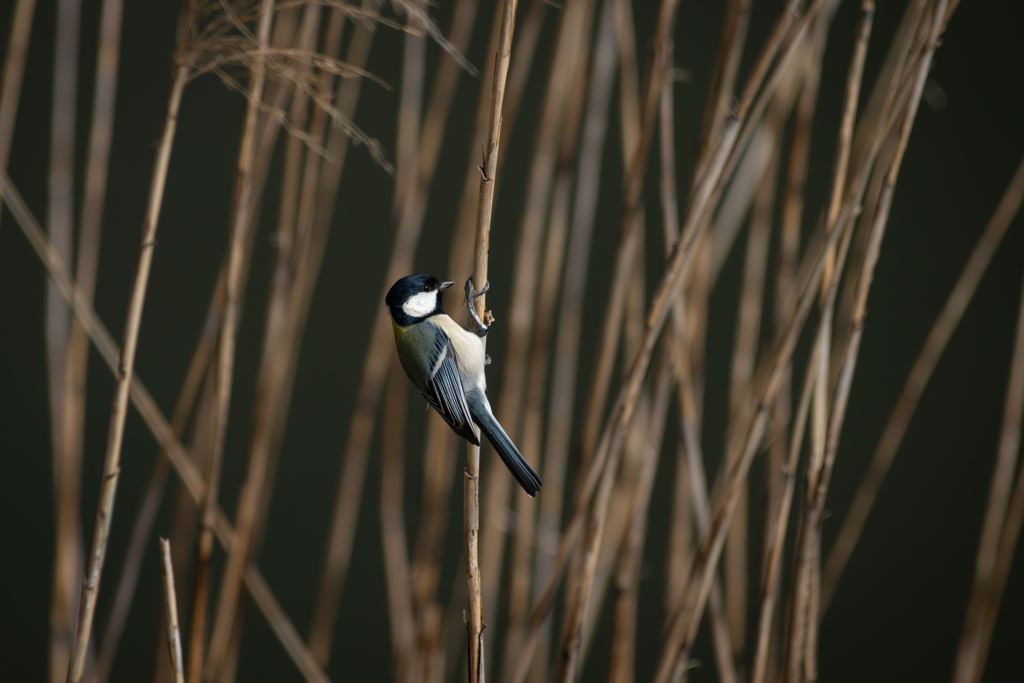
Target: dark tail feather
{"type": "Point", "coordinates": [510, 455]}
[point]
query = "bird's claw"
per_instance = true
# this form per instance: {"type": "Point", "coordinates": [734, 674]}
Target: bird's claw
{"type": "Point", "coordinates": [479, 328]}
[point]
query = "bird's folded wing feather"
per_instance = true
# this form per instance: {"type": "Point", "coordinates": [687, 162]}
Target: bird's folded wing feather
{"type": "Point", "coordinates": [444, 385]}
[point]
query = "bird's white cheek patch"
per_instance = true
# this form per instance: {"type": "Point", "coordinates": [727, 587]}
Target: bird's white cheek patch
{"type": "Point", "coordinates": [420, 304]}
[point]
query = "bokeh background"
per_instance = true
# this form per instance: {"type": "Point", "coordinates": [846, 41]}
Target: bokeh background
{"type": "Point", "coordinates": [900, 607]}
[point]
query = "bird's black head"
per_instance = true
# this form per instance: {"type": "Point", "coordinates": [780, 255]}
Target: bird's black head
{"type": "Point", "coordinates": [414, 298]}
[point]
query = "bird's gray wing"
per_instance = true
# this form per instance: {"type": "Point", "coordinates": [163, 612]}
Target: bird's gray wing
{"type": "Point", "coordinates": [443, 387]}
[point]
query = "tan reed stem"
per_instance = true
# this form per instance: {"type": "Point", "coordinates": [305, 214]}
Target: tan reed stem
{"type": "Point", "coordinates": [567, 338]}
{"type": "Point", "coordinates": [625, 253]}
{"type": "Point", "coordinates": [802, 651]}
{"type": "Point", "coordinates": [184, 513]}
{"type": "Point", "coordinates": [633, 184]}
{"type": "Point", "coordinates": [623, 646]}
{"type": "Point", "coordinates": [437, 458]}
{"type": "Point", "coordinates": [723, 80]}
{"type": "Point", "coordinates": [392, 520]}
{"type": "Point", "coordinates": [818, 481]}
{"type": "Point", "coordinates": [202, 662]}
{"type": "Point", "coordinates": [158, 425]}
{"type": "Point", "coordinates": [67, 470]}
{"type": "Point", "coordinates": [941, 331]}
{"type": "Point", "coordinates": [409, 224]}
{"type": "Point", "coordinates": [710, 186]}
{"type": "Point", "coordinates": [746, 338]}
{"type": "Point", "coordinates": [461, 253]}
{"type": "Point", "coordinates": [76, 362]}
{"type": "Point", "coordinates": [14, 70]}
{"type": "Point", "coordinates": [471, 483]}
{"type": "Point", "coordinates": [770, 375]}
{"type": "Point", "coordinates": [171, 614]}
{"type": "Point", "coordinates": [111, 467]}
{"type": "Point", "coordinates": [997, 528]}
{"type": "Point", "coordinates": [977, 636]}
{"type": "Point", "coordinates": [538, 365]}
{"type": "Point", "coordinates": [526, 271]}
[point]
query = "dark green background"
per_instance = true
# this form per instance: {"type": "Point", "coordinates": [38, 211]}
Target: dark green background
{"type": "Point", "coordinates": [899, 609]}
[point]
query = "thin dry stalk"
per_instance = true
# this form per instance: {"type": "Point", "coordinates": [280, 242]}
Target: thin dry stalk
{"type": "Point", "coordinates": [723, 80]}
{"type": "Point", "coordinates": [656, 72]}
{"type": "Point", "coordinates": [147, 512]}
{"type": "Point", "coordinates": [747, 336]}
{"type": "Point", "coordinates": [14, 70]}
{"type": "Point", "coordinates": [622, 411]}
{"type": "Point", "coordinates": [941, 331]}
{"type": "Point", "coordinates": [111, 467]}
{"type": "Point", "coordinates": [539, 354]}
{"type": "Point", "coordinates": [75, 364]}
{"type": "Point", "coordinates": [158, 425]}
{"type": "Point", "coordinates": [777, 526]}
{"type": "Point", "coordinates": [185, 510]}
{"type": "Point", "coordinates": [803, 631]}
{"type": "Point", "coordinates": [818, 482]}
{"type": "Point", "coordinates": [67, 469]}
{"type": "Point", "coordinates": [242, 223]}
{"type": "Point", "coordinates": [984, 600]}
{"type": "Point", "coordinates": [471, 483]}
{"type": "Point", "coordinates": [626, 250]}
{"type": "Point", "coordinates": [284, 325]}
{"type": "Point", "coordinates": [621, 663]}
{"type": "Point", "coordinates": [461, 253]}
{"type": "Point", "coordinates": [989, 610]}
{"type": "Point", "coordinates": [567, 339]}
{"type": "Point", "coordinates": [350, 485]}
{"type": "Point", "coordinates": [674, 655]}
{"type": "Point", "coordinates": [525, 276]}
{"type": "Point", "coordinates": [392, 519]}
{"type": "Point", "coordinates": [171, 614]}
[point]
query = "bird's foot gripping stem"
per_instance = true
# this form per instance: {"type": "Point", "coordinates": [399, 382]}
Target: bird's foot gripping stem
{"type": "Point", "coordinates": [479, 327]}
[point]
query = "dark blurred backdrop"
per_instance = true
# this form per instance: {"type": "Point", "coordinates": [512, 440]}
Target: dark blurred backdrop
{"type": "Point", "coordinates": [898, 612]}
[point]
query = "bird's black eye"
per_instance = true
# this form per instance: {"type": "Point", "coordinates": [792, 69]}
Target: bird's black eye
{"type": "Point", "coordinates": [426, 288]}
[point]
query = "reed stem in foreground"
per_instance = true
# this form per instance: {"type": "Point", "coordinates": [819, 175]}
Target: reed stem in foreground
{"type": "Point", "coordinates": [111, 466]}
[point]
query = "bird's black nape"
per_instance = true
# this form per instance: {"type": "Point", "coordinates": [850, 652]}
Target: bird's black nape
{"type": "Point", "coordinates": [409, 287]}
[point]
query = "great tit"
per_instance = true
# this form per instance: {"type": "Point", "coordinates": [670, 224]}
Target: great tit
{"type": "Point", "coordinates": [446, 362]}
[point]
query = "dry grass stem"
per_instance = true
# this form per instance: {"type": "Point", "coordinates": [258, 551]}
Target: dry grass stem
{"type": "Point", "coordinates": [396, 562]}
{"type": "Point", "coordinates": [723, 79]}
{"type": "Point", "coordinates": [409, 224]}
{"type": "Point", "coordinates": [158, 425]}
{"type": "Point", "coordinates": [535, 390]}
{"type": "Point", "coordinates": [202, 661]}
{"type": "Point", "coordinates": [801, 652]}
{"type": "Point", "coordinates": [471, 482]}
{"type": "Point", "coordinates": [60, 225]}
{"type": "Point", "coordinates": [985, 591]}
{"type": "Point", "coordinates": [941, 331]}
{"type": "Point", "coordinates": [633, 184]}
{"type": "Point", "coordinates": [14, 70]}
{"type": "Point", "coordinates": [171, 614]}
{"type": "Point", "coordinates": [111, 468]}
{"type": "Point", "coordinates": [576, 19]}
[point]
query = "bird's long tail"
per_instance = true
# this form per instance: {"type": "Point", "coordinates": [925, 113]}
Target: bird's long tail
{"type": "Point", "coordinates": [510, 455]}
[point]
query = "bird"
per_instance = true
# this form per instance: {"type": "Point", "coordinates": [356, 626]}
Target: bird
{"type": "Point", "coordinates": [445, 362]}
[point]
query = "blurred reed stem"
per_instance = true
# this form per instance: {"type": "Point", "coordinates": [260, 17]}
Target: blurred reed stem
{"type": "Point", "coordinates": [60, 226]}
{"type": "Point", "coordinates": [158, 425]}
{"type": "Point", "coordinates": [1000, 529]}
{"type": "Point", "coordinates": [940, 334]}
{"type": "Point", "coordinates": [14, 70]}
{"type": "Point", "coordinates": [471, 482]}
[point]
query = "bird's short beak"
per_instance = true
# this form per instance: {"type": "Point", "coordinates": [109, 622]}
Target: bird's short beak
{"type": "Point", "coordinates": [445, 285]}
